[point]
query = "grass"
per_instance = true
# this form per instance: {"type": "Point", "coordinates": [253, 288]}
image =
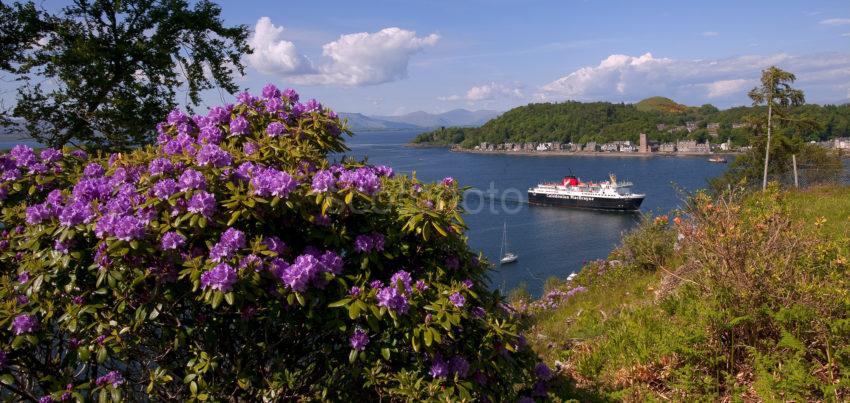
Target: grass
{"type": "Point", "coordinates": [633, 337]}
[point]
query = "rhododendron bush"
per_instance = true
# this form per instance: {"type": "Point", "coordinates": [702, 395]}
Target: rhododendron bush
{"type": "Point", "coordinates": [233, 261]}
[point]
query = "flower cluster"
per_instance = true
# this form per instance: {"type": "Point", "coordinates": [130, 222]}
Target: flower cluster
{"type": "Point", "coordinates": [369, 242]}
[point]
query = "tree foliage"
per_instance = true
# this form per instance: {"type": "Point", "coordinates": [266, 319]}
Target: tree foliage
{"type": "Point", "coordinates": [233, 262]}
{"type": "Point", "coordinates": [102, 72]}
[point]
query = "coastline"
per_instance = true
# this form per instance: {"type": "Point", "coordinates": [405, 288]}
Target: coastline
{"type": "Point", "coordinates": [564, 153]}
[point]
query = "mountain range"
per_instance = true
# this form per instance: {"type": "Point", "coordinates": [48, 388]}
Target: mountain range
{"type": "Point", "coordinates": [419, 120]}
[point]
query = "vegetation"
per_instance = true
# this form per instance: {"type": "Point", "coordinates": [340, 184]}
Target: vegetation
{"type": "Point", "coordinates": [603, 121]}
{"type": "Point", "coordinates": [114, 67]}
{"type": "Point", "coordinates": [743, 297]}
{"type": "Point", "coordinates": [231, 262]}
{"type": "Point", "coordinates": [660, 104]}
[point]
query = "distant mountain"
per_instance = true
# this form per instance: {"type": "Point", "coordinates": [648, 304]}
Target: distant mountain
{"type": "Point", "coordinates": [455, 117]}
{"type": "Point", "coordinates": [360, 122]}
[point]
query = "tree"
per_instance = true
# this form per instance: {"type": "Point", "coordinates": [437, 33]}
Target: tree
{"type": "Point", "coordinates": [775, 91]}
{"type": "Point", "coordinates": [101, 72]}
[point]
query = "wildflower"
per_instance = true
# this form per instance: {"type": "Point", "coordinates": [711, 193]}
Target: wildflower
{"type": "Point", "coordinates": [76, 213]}
{"type": "Point", "coordinates": [457, 299]}
{"type": "Point", "coordinates": [176, 116]}
{"type": "Point", "coordinates": [231, 240]}
{"type": "Point", "coordinates": [359, 340]}
{"type": "Point", "coordinates": [239, 125]}
{"type": "Point", "coordinates": [211, 154]}
{"type": "Point", "coordinates": [467, 283]}
{"type": "Point", "coordinates": [24, 156]}
{"type": "Point", "coordinates": [93, 170]}
{"type": "Point", "coordinates": [160, 166]}
{"type": "Point", "coordinates": [394, 299]}
{"type": "Point", "coordinates": [37, 213]}
{"type": "Point", "coordinates": [202, 203]}
{"type": "Point", "coordinates": [448, 181]}
{"type": "Point", "coordinates": [221, 278]}
{"type": "Point", "coordinates": [164, 188]}
{"type": "Point", "coordinates": [271, 182]}
{"type": "Point", "coordinates": [49, 155]}
{"type": "Point", "coordinates": [172, 240]}
{"type": "Point", "coordinates": [192, 179]}
{"type": "Point", "coordinates": [270, 91]}
{"type": "Point", "coordinates": [421, 286]}
{"type": "Point", "coordinates": [439, 368]}
{"type": "Point", "coordinates": [331, 262]}
{"type": "Point", "coordinates": [301, 273]}
{"type": "Point", "coordinates": [385, 171]}
{"type": "Point", "coordinates": [210, 134]}
{"type": "Point", "coordinates": [251, 261]}
{"type": "Point", "coordinates": [24, 324]}
{"type": "Point", "coordinates": [290, 95]}
{"type": "Point", "coordinates": [402, 277]}
{"type": "Point", "coordinates": [113, 378]}
{"type": "Point", "coordinates": [354, 291]}
{"type": "Point", "coordinates": [323, 181]}
{"type": "Point", "coordinates": [275, 129]}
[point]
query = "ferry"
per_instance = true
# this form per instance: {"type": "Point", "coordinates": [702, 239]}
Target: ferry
{"type": "Point", "coordinates": [572, 192]}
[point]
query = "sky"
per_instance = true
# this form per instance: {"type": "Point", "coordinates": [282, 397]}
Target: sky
{"type": "Point", "coordinates": [395, 57]}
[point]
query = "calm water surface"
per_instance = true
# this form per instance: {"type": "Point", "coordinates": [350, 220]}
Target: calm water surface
{"type": "Point", "coordinates": [549, 241]}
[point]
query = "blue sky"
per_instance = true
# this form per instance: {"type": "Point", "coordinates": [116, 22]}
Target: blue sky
{"type": "Point", "coordinates": [393, 57]}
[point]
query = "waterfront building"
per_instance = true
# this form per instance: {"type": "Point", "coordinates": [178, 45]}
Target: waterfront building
{"type": "Point", "coordinates": [667, 148]}
{"type": "Point", "coordinates": [609, 147]}
{"type": "Point", "coordinates": [842, 143]}
{"type": "Point", "coordinates": [591, 146]}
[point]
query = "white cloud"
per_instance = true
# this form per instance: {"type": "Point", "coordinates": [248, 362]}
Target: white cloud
{"type": "Point", "coordinates": [352, 60]}
{"type": "Point", "coordinates": [631, 78]}
{"type": "Point", "coordinates": [710, 33]}
{"type": "Point", "coordinates": [836, 21]}
{"type": "Point", "coordinates": [846, 34]}
{"type": "Point", "coordinates": [488, 92]}
{"type": "Point", "coordinates": [724, 88]}
{"type": "Point", "coordinates": [274, 55]}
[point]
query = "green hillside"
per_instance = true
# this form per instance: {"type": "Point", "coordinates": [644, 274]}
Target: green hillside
{"type": "Point", "coordinates": [660, 118]}
{"type": "Point", "coordinates": [660, 104]}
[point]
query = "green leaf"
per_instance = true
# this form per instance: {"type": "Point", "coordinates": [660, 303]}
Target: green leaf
{"type": "Point", "coordinates": [353, 311]}
{"type": "Point", "coordinates": [229, 298]}
{"type": "Point", "coordinates": [342, 302]}
{"type": "Point", "coordinates": [429, 338]}
{"type": "Point", "coordinates": [217, 297]}
{"type": "Point", "coordinates": [385, 352]}
{"type": "Point", "coordinates": [352, 356]}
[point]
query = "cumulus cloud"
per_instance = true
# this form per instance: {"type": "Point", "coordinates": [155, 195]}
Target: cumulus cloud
{"type": "Point", "coordinates": [487, 92]}
{"type": "Point", "coordinates": [630, 78]}
{"type": "Point", "coordinates": [836, 21]}
{"type": "Point", "coordinates": [352, 60]}
{"type": "Point", "coordinates": [274, 55]}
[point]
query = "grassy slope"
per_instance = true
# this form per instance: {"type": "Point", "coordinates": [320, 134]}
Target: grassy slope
{"type": "Point", "coordinates": [618, 341]}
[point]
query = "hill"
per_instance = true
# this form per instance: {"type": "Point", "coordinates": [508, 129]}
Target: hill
{"type": "Point", "coordinates": [455, 117]}
{"type": "Point", "coordinates": [359, 122]}
{"type": "Point", "coordinates": [660, 104]}
{"type": "Point", "coordinates": [581, 122]}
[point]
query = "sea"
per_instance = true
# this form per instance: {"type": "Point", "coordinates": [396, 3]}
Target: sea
{"type": "Point", "coordinates": [550, 241]}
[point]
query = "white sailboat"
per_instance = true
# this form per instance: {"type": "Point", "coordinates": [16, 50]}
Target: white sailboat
{"type": "Point", "coordinates": [506, 257]}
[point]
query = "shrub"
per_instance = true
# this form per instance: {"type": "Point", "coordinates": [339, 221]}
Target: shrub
{"type": "Point", "coordinates": [232, 261]}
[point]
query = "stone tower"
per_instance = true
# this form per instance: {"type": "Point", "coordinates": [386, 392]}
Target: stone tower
{"type": "Point", "coordinates": [644, 144]}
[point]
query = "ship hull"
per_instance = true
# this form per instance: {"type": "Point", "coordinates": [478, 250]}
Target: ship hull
{"type": "Point", "coordinates": [585, 202]}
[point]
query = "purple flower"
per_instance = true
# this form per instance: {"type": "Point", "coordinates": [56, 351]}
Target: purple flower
{"type": "Point", "coordinates": [392, 298]}
{"type": "Point", "coordinates": [274, 244]}
{"type": "Point", "coordinates": [402, 277]}
{"type": "Point", "coordinates": [448, 181]}
{"type": "Point", "coordinates": [323, 181]}
{"type": "Point", "coordinates": [49, 155]}
{"type": "Point", "coordinates": [76, 299]}
{"type": "Point", "coordinates": [301, 273]}
{"type": "Point", "coordinates": [202, 203]}
{"type": "Point", "coordinates": [221, 278]}
{"type": "Point", "coordinates": [231, 240]}
{"type": "Point", "coordinates": [367, 243]}
{"type": "Point", "coordinates": [363, 179]}
{"type": "Point", "coordinates": [421, 286]}
{"type": "Point", "coordinates": [24, 277]}
{"type": "Point", "coordinates": [160, 166]}
{"type": "Point", "coordinates": [359, 340]}
{"type": "Point", "coordinates": [439, 368]}
{"type": "Point", "coordinates": [478, 312]}
{"type": "Point", "coordinates": [23, 155]}
{"type": "Point", "coordinates": [459, 366]}
{"type": "Point", "coordinates": [210, 134]}
{"type": "Point", "coordinates": [22, 300]}
{"type": "Point", "coordinates": [76, 213]}
{"type": "Point", "coordinates": [385, 171]}
{"type": "Point", "coordinates": [250, 148]}
{"type": "Point", "coordinates": [239, 125]}
{"type": "Point", "coordinates": [24, 324]}
{"type": "Point", "coordinates": [129, 228]}
{"type": "Point", "coordinates": [467, 283]}
{"type": "Point", "coordinates": [218, 115]}
{"type": "Point", "coordinates": [46, 399]}
{"type": "Point", "coordinates": [252, 261]}
{"type": "Point", "coordinates": [376, 284]}
{"type": "Point", "coordinates": [176, 116]}
{"type": "Point", "coordinates": [542, 372]}
{"type": "Point", "coordinates": [79, 154]}
{"type": "Point", "coordinates": [38, 213]}
{"type": "Point", "coordinates": [457, 299]}
{"type": "Point", "coordinates": [192, 179]}
{"type": "Point", "coordinates": [575, 291]}
{"type": "Point", "coordinates": [290, 95]}
{"type": "Point", "coordinates": [271, 182]}
{"type": "Point", "coordinates": [113, 378]}
{"type": "Point", "coordinates": [331, 262]}
{"type": "Point", "coordinates": [165, 188]}
{"type": "Point", "coordinates": [213, 155]}
{"type": "Point", "coordinates": [270, 91]}
{"type": "Point", "coordinates": [354, 291]}
{"type": "Point", "coordinates": [93, 170]}
{"type": "Point", "coordinates": [172, 240]}
{"type": "Point", "coordinates": [275, 129]}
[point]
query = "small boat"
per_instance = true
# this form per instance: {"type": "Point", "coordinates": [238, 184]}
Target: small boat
{"type": "Point", "coordinates": [718, 159]}
{"type": "Point", "coordinates": [572, 192]}
{"type": "Point", "coordinates": [506, 257]}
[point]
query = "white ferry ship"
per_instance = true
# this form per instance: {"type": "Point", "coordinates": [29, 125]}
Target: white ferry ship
{"type": "Point", "coordinates": [572, 192]}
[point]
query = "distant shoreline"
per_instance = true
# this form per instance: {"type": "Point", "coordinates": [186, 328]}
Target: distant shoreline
{"type": "Point", "coordinates": [565, 153]}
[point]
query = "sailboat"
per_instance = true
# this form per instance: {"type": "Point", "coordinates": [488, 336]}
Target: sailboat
{"type": "Point", "coordinates": [507, 257]}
